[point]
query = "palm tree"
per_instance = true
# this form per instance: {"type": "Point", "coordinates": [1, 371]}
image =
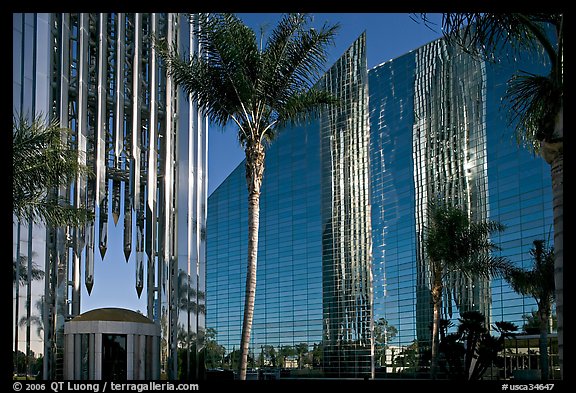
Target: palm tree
{"type": "Point", "coordinates": [260, 88]}
{"type": "Point", "coordinates": [535, 102]}
{"type": "Point", "coordinates": [454, 244]}
{"type": "Point", "coordinates": [42, 162]}
{"type": "Point", "coordinates": [538, 283]}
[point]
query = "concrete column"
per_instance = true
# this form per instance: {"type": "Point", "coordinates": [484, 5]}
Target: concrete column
{"type": "Point", "coordinates": [141, 357]}
{"type": "Point", "coordinates": [136, 372]}
{"type": "Point", "coordinates": [155, 358]}
{"type": "Point", "coordinates": [91, 356]}
{"type": "Point", "coordinates": [130, 356]}
{"type": "Point", "coordinates": [77, 356]}
{"type": "Point", "coordinates": [69, 358]}
{"type": "Point", "coordinates": [98, 356]}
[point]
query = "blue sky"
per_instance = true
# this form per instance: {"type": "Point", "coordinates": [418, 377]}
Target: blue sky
{"type": "Point", "coordinates": [388, 35]}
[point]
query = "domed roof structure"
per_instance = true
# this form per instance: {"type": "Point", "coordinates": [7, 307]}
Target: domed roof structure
{"type": "Point", "coordinates": [130, 341]}
{"type": "Point", "coordinates": [112, 314]}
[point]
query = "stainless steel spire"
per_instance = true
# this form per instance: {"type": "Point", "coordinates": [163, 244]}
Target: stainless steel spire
{"type": "Point", "coordinates": [134, 129]}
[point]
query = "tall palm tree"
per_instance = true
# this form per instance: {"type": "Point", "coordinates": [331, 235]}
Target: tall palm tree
{"type": "Point", "coordinates": [42, 162]}
{"type": "Point", "coordinates": [454, 244]}
{"type": "Point", "coordinates": [538, 283]}
{"type": "Point", "coordinates": [260, 87]}
{"type": "Point", "coordinates": [535, 102]}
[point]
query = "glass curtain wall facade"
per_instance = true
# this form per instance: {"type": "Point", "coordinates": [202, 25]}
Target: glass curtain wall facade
{"type": "Point", "coordinates": [438, 130]}
{"type": "Point", "coordinates": [100, 76]}
{"type": "Point", "coordinates": [313, 299]}
{"type": "Point", "coordinates": [446, 161]}
{"type": "Point", "coordinates": [287, 324]}
{"type": "Point", "coordinates": [346, 232]}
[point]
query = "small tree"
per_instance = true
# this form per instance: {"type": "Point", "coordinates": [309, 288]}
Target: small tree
{"type": "Point", "coordinates": [471, 350]}
{"type": "Point", "coordinates": [214, 351]}
{"type": "Point", "coordinates": [456, 244]}
{"type": "Point", "coordinates": [539, 284]}
{"type": "Point", "coordinates": [481, 348]}
{"type": "Point", "coordinates": [301, 351]}
{"type": "Point", "coordinates": [383, 333]}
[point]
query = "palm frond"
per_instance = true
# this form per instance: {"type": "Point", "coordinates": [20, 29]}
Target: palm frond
{"type": "Point", "coordinates": [533, 102]}
{"type": "Point", "coordinates": [485, 265]}
{"type": "Point", "coordinates": [258, 90]}
{"type": "Point", "coordinates": [521, 281]}
{"type": "Point", "coordinates": [42, 161]}
{"type": "Point", "coordinates": [538, 281]}
{"type": "Point", "coordinates": [201, 82]}
{"type": "Point", "coordinates": [458, 245]}
{"type": "Point", "coordinates": [492, 35]}
{"type": "Point", "coordinates": [299, 64]}
{"type": "Point", "coordinates": [222, 79]}
{"type": "Point", "coordinates": [506, 328]}
{"type": "Point", "coordinates": [277, 46]}
{"type": "Point", "coordinates": [230, 47]}
{"type": "Point", "coordinates": [300, 107]}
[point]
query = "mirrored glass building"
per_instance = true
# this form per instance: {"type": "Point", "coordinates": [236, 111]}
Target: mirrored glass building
{"type": "Point", "coordinates": [99, 75]}
{"type": "Point", "coordinates": [343, 280]}
{"type": "Point", "coordinates": [438, 129]}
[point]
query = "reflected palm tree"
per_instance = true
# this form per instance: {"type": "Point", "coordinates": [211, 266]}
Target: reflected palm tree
{"type": "Point", "coordinates": [37, 319]}
{"type": "Point", "coordinates": [190, 299]}
{"type": "Point", "coordinates": [22, 271]}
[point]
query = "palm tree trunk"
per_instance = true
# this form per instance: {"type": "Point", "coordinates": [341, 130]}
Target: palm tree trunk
{"type": "Point", "coordinates": [543, 316]}
{"type": "Point", "coordinates": [254, 175]}
{"type": "Point", "coordinates": [437, 303]}
{"type": "Point", "coordinates": [553, 153]}
{"type": "Point", "coordinates": [558, 197]}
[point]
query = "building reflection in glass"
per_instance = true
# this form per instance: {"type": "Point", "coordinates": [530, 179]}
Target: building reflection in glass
{"type": "Point", "coordinates": [346, 237]}
{"type": "Point", "coordinates": [449, 155]}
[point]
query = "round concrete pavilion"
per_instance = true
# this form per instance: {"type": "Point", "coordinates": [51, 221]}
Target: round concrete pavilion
{"type": "Point", "coordinates": [111, 344]}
